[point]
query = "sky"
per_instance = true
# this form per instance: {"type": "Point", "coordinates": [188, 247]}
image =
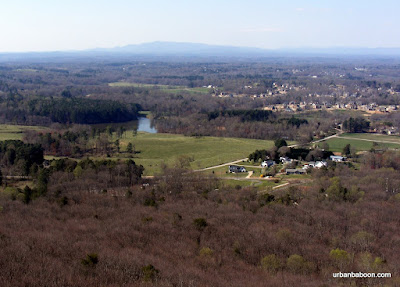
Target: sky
{"type": "Point", "coordinates": [55, 25]}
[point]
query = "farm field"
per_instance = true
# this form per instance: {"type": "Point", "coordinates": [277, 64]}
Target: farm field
{"type": "Point", "coordinates": [15, 132]}
{"type": "Point", "coordinates": [337, 144]}
{"type": "Point", "coordinates": [154, 149]}
{"type": "Point", "coordinates": [373, 137]}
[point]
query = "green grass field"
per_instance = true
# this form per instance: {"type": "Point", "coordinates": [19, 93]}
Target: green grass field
{"type": "Point", "coordinates": [337, 144]}
{"type": "Point", "coordinates": [206, 151]}
{"type": "Point", "coordinates": [15, 132]}
{"type": "Point", "coordinates": [164, 88]}
{"type": "Point", "coordinates": [373, 137]}
{"type": "Point", "coordinates": [260, 184]}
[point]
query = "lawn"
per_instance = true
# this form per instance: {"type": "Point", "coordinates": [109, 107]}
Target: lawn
{"type": "Point", "coordinates": [206, 151]}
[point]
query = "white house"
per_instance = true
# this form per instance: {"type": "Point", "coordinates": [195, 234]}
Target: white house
{"type": "Point", "coordinates": [337, 158]}
{"type": "Point", "coordinates": [267, 163]}
{"type": "Point", "coordinates": [320, 164]}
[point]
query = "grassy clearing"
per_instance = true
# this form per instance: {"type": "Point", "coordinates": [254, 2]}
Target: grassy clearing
{"type": "Point", "coordinates": [374, 137]}
{"type": "Point", "coordinates": [164, 88]}
{"type": "Point", "coordinates": [206, 151]}
{"type": "Point", "coordinates": [260, 184]}
{"type": "Point", "coordinates": [15, 132]}
{"type": "Point", "coordinates": [27, 70]}
{"type": "Point", "coordinates": [337, 144]}
{"type": "Point", "coordinates": [139, 85]}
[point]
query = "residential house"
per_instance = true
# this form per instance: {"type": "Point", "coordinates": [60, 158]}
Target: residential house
{"type": "Point", "coordinates": [320, 164]}
{"type": "Point", "coordinates": [337, 158]}
{"type": "Point", "coordinates": [285, 159]}
{"type": "Point", "coordinates": [267, 163]}
{"type": "Point", "coordinates": [295, 171]}
{"type": "Point", "coordinates": [236, 169]}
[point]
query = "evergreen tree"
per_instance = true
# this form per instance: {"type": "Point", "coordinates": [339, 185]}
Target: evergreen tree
{"type": "Point", "coordinates": [129, 148]}
{"type": "Point", "coordinates": [280, 143]}
{"type": "Point", "coordinates": [346, 150]}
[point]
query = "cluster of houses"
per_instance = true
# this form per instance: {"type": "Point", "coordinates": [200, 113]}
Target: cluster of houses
{"type": "Point", "coordinates": [307, 106]}
{"type": "Point", "coordinates": [315, 164]}
{"type": "Point", "coordinates": [286, 160]}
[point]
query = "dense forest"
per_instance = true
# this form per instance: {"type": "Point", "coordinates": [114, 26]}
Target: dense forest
{"type": "Point", "coordinates": [83, 111]}
{"type": "Point", "coordinates": [37, 110]}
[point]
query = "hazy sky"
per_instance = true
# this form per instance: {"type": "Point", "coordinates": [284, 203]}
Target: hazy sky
{"type": "Point", "coordinates": [48, 25]}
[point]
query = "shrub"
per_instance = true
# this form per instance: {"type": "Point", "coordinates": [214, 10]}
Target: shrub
{"type": "Point", "coordinates": [63, 201]}
{"type": "Point", "coordinates": [149, 273]}
{"type": "Point", "coordinates": [206, 252]}
{"type": "Point", "coordinates": [362, 239]}
{"type": "Point", "coordinates": [340, 257]}
{"type": "Point", "coordinates": [91, 259]}
{"type": "Point", "coordinates": [150, 202]}
{"type": "Point", "coordinates": [297, 264]}
{"type": "Point", "coordinates": [200, 223]}
{"type": "Point", "coordinates": [271, 263]}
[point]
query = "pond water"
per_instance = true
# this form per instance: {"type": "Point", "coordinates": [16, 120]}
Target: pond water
{"type": "Point", "coordinates": [143, 124]}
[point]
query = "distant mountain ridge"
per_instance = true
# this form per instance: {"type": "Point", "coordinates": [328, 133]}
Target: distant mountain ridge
{"type": "Point", "coordinates": [197, 48]}
{"type": "Point", "coordinates": [182, 49]}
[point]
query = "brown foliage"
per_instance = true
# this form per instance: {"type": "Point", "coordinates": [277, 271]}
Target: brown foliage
{"type": "Point", "coordinates": [196, 237]}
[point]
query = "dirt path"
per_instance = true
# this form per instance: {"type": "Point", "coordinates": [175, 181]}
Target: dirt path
{"type": "Point", "coordinates": [250, 174]}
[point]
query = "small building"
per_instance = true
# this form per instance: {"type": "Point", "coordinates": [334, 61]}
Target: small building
{"type": "Point", "coordinates": [311, 164]}
{"type": "Point", "coordinates": [320, 164]}
{"type": "Point", "coordinates": [315, 164]}
{"type": "Point", "coordinates": [337, 158]}
{"type": "Point", "coordinates": [285, 159]}
{"type": "Point", "coordinates": [267, 163]}
{"type": "Point", "coordinates": [236, 169]}
{"type": "Point", "coordinates": [295, 171]}
{"type": "Point", "coordinates": [46, 163]}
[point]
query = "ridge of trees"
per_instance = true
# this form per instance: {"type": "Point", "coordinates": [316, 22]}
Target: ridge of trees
{"type": "Point", "coordinates": [83, 111]}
